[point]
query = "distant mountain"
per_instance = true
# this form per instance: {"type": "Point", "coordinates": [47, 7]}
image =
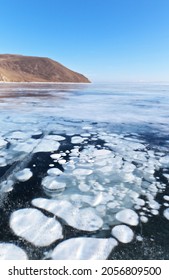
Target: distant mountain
{"type": "Point", "coordinates": [18, 68]}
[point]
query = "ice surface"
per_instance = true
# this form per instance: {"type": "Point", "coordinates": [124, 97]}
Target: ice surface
{"type": "Point", "coordinates": [84, 248]}
{"type": "Point", "coordinates": [123, 233]}
{"type": "Point", "coordinates": [82, 219]}
{"type": "Point", "coordinates": [35, 227]}
{"type": "Point", "coordinates": [9, 251]}
{"type": "Point", "coordinates": [108, 163]}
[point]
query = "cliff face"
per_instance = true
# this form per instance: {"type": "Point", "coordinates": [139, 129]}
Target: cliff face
{"type": "Point", "coordinates": [18, 68]}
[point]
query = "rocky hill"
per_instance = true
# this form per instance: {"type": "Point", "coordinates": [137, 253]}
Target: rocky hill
{"type": "Point", "coordinates": [18, 68]}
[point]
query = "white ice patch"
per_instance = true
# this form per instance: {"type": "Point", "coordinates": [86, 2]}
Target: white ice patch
{"type": "Point", "coordinates": [25, 146]}
{"type": "Point", "coordinates": [83, 219]}
{"type": "Point", "coordinates": [61, 161]}
{"type": "Point", "coordinates": [123, 233]}
{"type": "Point", "coordinates": [166, 197]}
{"type": "Point", "coordinates": [9, 251]}
{"type": "Point", "coordinates": [101, 153]}
{"type": "Point", "coordinates": [87, 127]}
{"type": "Point", "coordinates": [6, 186]}
{"type": "Point", "coordinates": [143, 219]}
{"type": "Point", "coordinates": [55, 156]}
{"type": "Point", "coordinates": [23, 175]}
{"type": "Point", "coordinates": [2, 142]}
{"type": "Point", "coordinates": [166, 213]}
{"type": "Point", "coordinates": [2, 162]}
{"type": "Point", "coordinates": [35, 227]}
{"type": "Point", "coordinates": [82, 172]}
{"type": "Point", "coordinates": [128, 216]}
{"type": "Point", "coordinates": [52, 183]}
{"type": "Point", "coordinates": [55, 137]}
{"type": "Point", "coordinates": [166, 176]}
{"type": "Point", "coordinates": [139, 238]}
{"type": "Point", "coordinates": [77, 140]}
{"type": "Point", "coordinates": [139, 201]}
{"type": "Point", "coordinates": [83, 187]}
{"type": "Point", "coordinates": [20, 135]}
{"type": "Point", "coordinates": [165, 161]}
{"type": "Point", "coordinates": [84, 248]}
{"type": "Point", "coordinates": [54, 172]}
{"type": "Point", "coordinates": [47, 145]}
{"type": "Point", "coordinates": [154, 204]}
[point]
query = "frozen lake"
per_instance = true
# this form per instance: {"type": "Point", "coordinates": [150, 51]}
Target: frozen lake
{"type": "Point", "coordinates": [84, 171]}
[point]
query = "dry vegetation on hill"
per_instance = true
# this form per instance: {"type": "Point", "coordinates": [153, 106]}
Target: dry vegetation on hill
{"type": "Point", "coordinates": [18, 68]}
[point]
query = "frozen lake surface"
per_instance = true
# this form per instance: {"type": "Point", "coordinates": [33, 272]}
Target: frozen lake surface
{"type": "Point", "coordinates": [84, 171]}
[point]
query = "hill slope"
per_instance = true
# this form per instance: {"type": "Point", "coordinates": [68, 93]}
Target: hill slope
{"type": "Point", "coordinates": [18, 68]}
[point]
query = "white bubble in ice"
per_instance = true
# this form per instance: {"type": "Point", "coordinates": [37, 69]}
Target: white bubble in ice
{"type": "Point", "coordinates": [83, 219]}
{"type": "Point", "coordinates": [84, 248]}
{"type": "Point", "coordinates": [166, 197]}
{"type": "Point", "coordinates": [128, 216]}
{"type": "Point", "coordinates": [123, 233]}
{"type": "Point", "coordinates": [166, 213]}
{"type": "Point", "coordinates": [47, 145]}
{"type": "Point", "coordinates": [77, 139]}
{"type": "Point", "coordinates": [82, 172]}
{"type": "Point", "coordinates": [2, 142]}
{"type": "Point", "coordinates": [55, 156]}
{"type": "Point", "coordinates": [54, 172]}
{"type": "Point", "coordinates": [35, 227]}
{"type": "Point", "coordinates": [24, 175]}
{"type": "Point", "coordinates": [139, 238]}
{"type": "Point", "coordinates": [143, 219]}
{"type": "Point", "coordinates": [51, 183]}
{"type": "Point", "coordinates": [9, 251]}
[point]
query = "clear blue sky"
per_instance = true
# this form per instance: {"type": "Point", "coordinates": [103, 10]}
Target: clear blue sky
{"type": "Point", "coordinates": [107, 40]}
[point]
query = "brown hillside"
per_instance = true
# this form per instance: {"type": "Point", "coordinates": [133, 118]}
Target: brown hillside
{"type": "Point", "coordinates": [18, 68]}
